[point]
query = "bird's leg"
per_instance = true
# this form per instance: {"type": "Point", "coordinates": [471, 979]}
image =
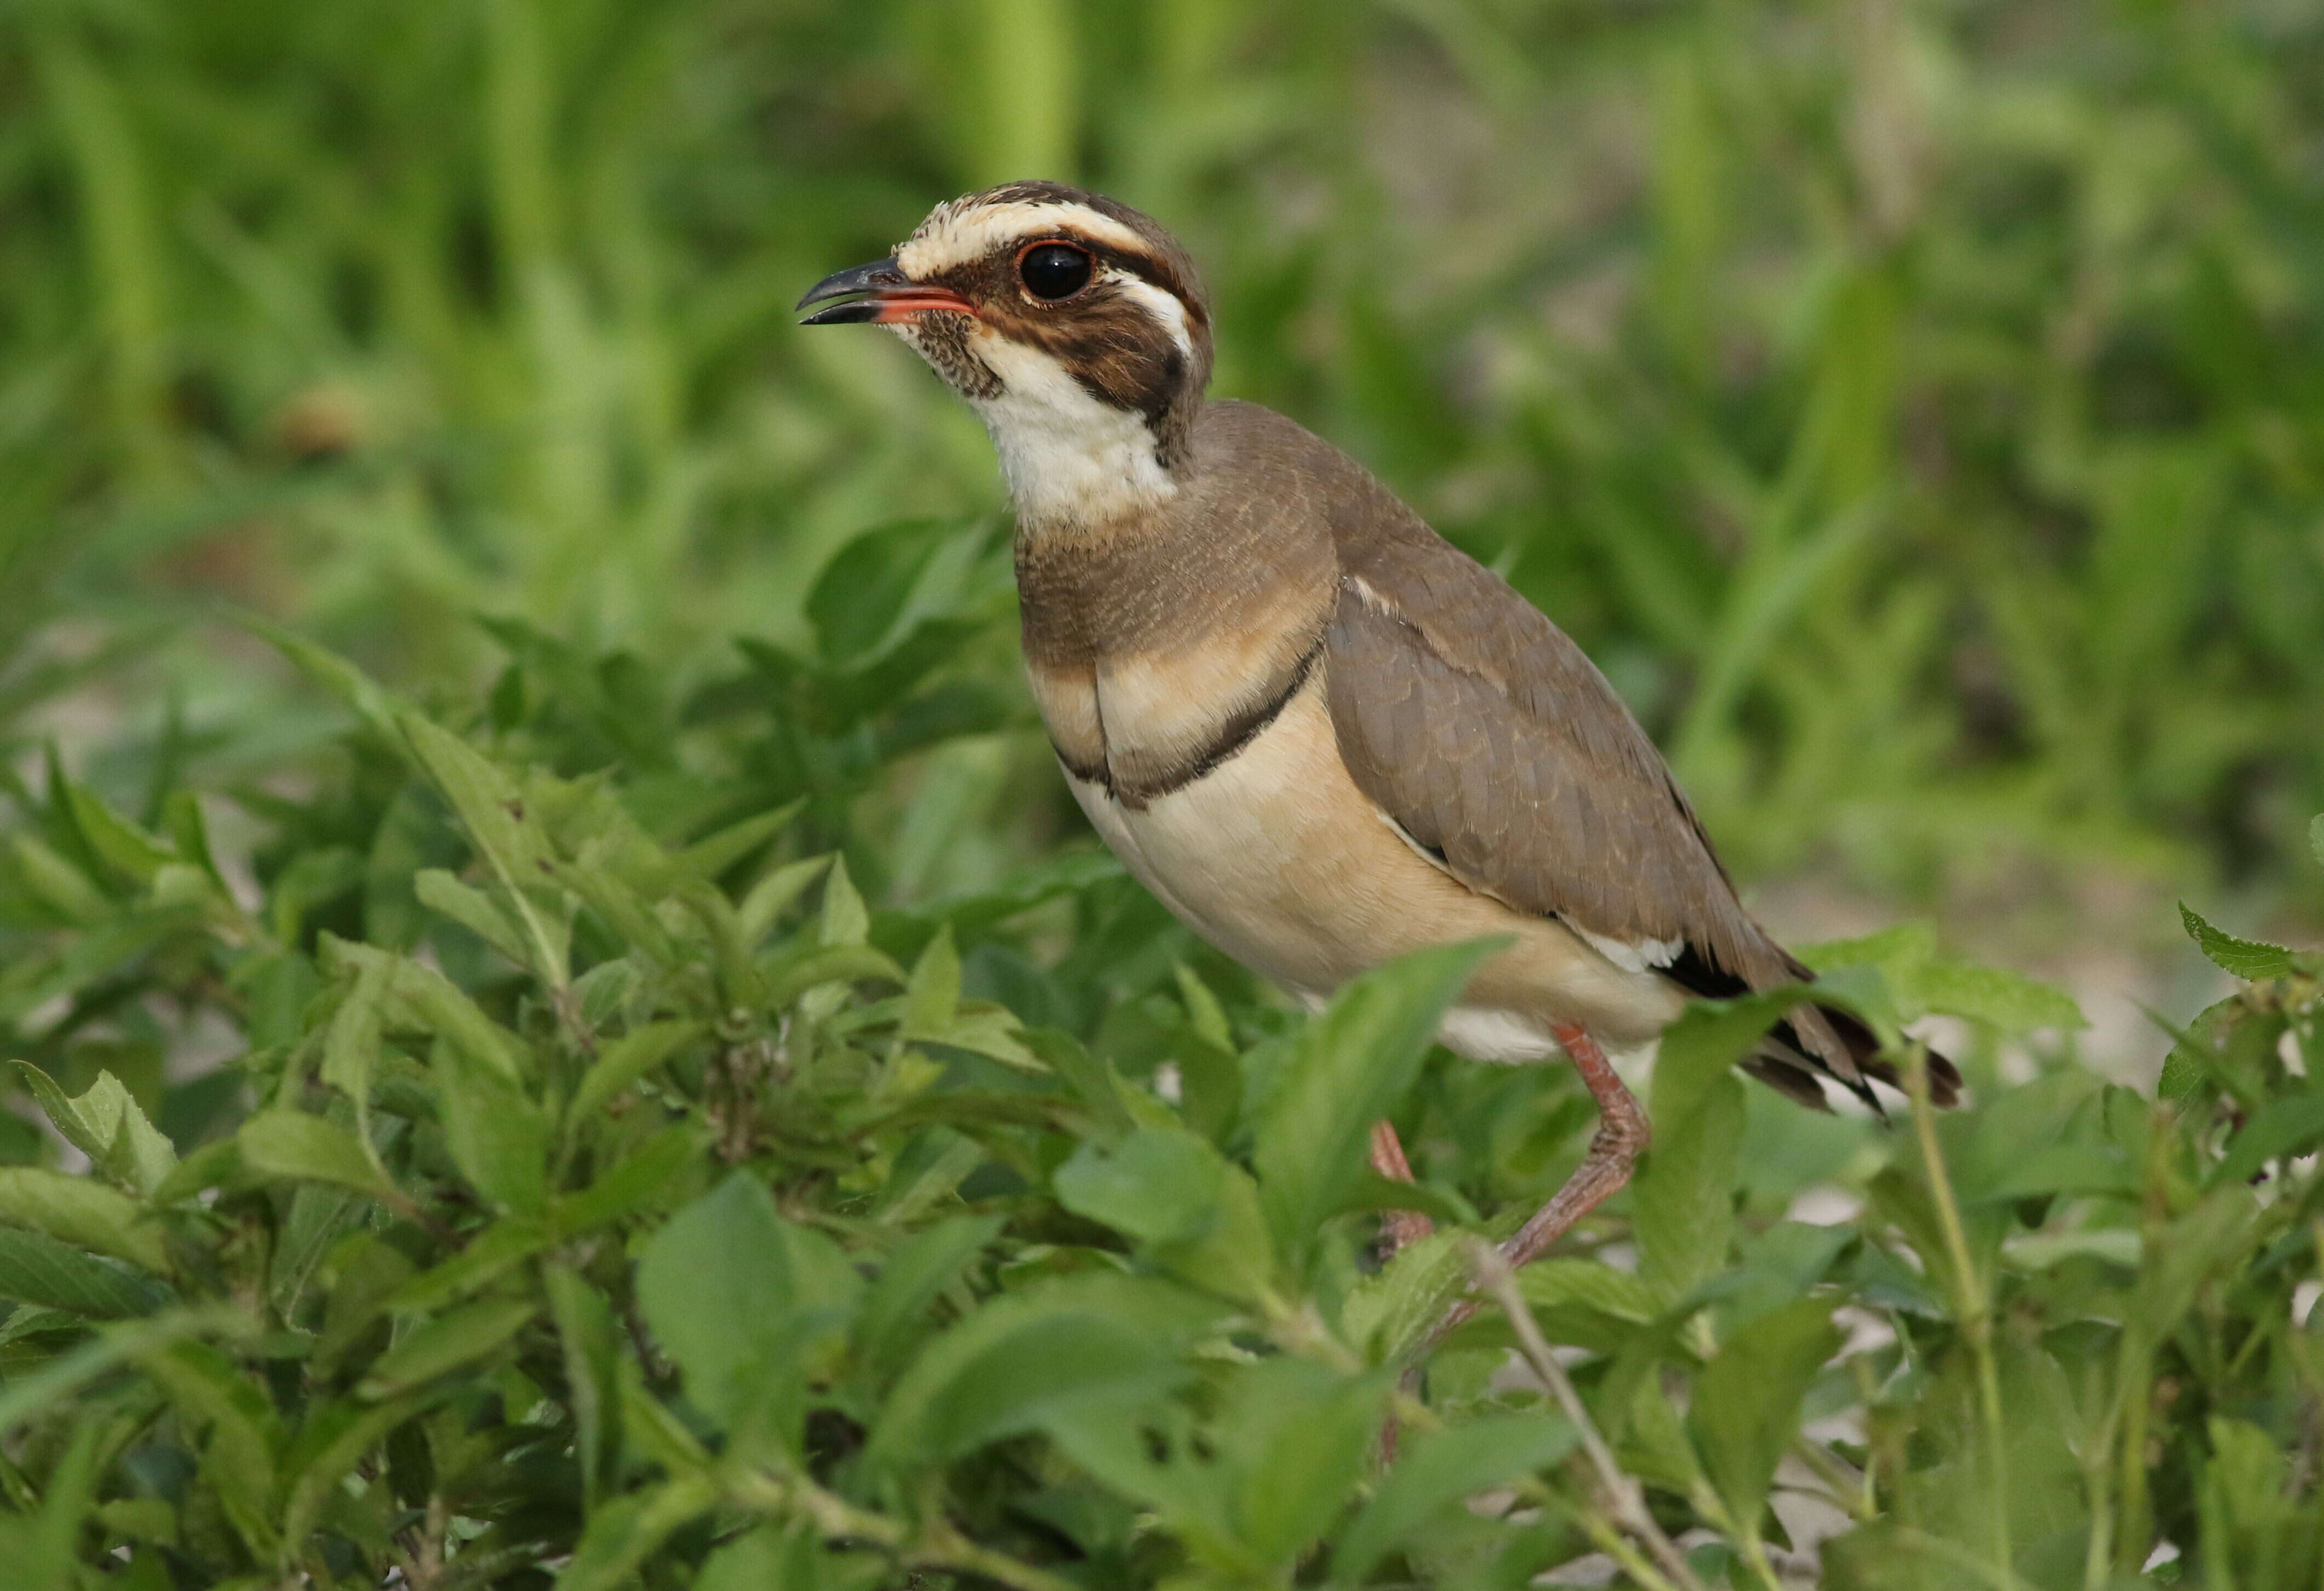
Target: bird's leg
{"type": "Point", "coordinates": [1621, 1137]}
{"type": "Point", "coordinates": [1398, 1226]}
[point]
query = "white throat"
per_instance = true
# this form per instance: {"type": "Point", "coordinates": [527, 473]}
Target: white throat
{"type": "Point", "coordinates": [1069, 459]}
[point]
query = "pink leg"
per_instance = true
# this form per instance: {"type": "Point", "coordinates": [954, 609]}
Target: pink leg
{"type": "Point", "coordinates": [1621, 1137]}
{"type": "Point", "coordinates": [1398, 1226]}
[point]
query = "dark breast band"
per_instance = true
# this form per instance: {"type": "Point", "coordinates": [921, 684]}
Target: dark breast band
{"type": "Point", "coordinates": [1235, 735]}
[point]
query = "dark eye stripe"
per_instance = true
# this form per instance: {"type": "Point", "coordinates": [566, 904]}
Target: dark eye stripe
{"type": "Point", "coordinates": [1146, 269]}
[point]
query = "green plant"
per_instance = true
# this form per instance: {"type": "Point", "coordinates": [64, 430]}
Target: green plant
{"type": "Point", "coordinates": [1842, 375]}
{"type": "Point", "coordinates": [1912, 407]}
{"type": "Point", "coordinates": [605, 1189]}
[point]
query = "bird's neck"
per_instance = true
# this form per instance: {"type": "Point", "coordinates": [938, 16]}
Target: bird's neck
{"type": "Point", "coordinates": [1076, 469]}
{"type": "Point", "coordinates": [1074, 463]}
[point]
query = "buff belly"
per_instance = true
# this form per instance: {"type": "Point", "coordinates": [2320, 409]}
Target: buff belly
{"type": "Point", "coordinates": [1276, 857]}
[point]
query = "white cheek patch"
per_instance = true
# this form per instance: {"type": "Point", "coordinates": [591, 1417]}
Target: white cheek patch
{"type": "Point", "coordinates": [949, 237]}
{"type": "Point", "coordinates": [1065, 457]}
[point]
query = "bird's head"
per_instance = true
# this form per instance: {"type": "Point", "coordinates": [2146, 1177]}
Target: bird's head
{"type": "Point", "coordinates": [1074, 324]}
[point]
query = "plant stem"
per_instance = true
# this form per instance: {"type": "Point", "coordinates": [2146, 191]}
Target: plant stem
{"type": "Point", "coordinates": [1626, 1500]}
{"type": "Point", "coordinates": [1970, 1301]}
{"type": "Point", "coordinates": [1851, 1495]}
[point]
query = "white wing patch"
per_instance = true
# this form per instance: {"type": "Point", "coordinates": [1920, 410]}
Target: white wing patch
{"type": "Point", "coordinates": [1644, 955]}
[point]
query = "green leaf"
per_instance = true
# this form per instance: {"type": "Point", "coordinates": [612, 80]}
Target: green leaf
{"type": "Point", "coordinates": [105, 1123]}
{"type": "Point", "coordinates": [499, 1248]}
{"type": "Point", "coordinates": [57, 883]}
{"type": "Point", "coordinates": [773, 895]}
{"type": "Point", "coordinates": [626, 1060]}
{"type": "Point", "coordinates": [1156, 1185]}
{"type": "Point", "coordinates": [1590, 1284]}
{"type": "Point", "coordinates": [37, 1269]}
{"type": "Point", "coordinates": [2248, 959]}
{"type": "Point", "coordinates": [707, 857]}
{"type": "Point", "coordinates": [984, 1029]}
{"type": "Point", "coordinates": [1297, 1438]}
{"type": "Point", "coordinates": [1436, 1471]}
{"type": "Point", "coordinates": [587, 1333]}
{"type": "Point", "coordinates": [493, 811]}
{"type": "Point", "coordinates": [1204, 1013]}
{"type": "Point", "coordinates": [858, 600]}
{"type": "Point", "coordinates": [789, 978]}
{"type": "Point", "coordinates": [79, 1211]}
{"type": "Point", "coordinates": [374, 704]}
{"type": "Point", "coordinates": [450, 1342]}
{"type": "Point", "coordinates": [1685, 1187]}
{"type": "Point", "coordinates": [1020, 1359]}
{"type": "Point", "coordinates": [213, 1394]}
{"type": "Point", "coordinates": [771, 1558]}
{"type": "Point", "coordinates": [291, 1144]}
{"type": "Point", "coordinates": [498, 1137]}
{"type": "Point", "coordinates": [1196, 1216]}
{"type": "Point", "coordinates": [334, 1438]}
{"type": "Point", "coordinates": [624, 1533]}
{"type": "Point", "coordinates": [1285, 1442]}
{"type": "Point", "coordinates": [2316, 838]}
{"type": "Point", "coordinates": [117, 841]}
{"type": "Point", "coordinates": [933, 994]}
{"type": "Point", "coordinates": [919, 1270]}
{"type": "Point", "coordinates": [747, 1303]}
{"type": "Point", "coordinates": [1392, 1313]}
{"type": "Point", "coordinates": [647, 1178]}
{"type": "Point", "coordinates": [2010, 1001]}
{"type": "Point", "coordinates": [27, 1395]}
{"type": "Point", "coordinates": [421, 997]}
{"type": "Point", "coordinates": [442, 893]}
{"type": "Point", "coordinates": [1922, 979]}
{"type": "Point", "coordinates": [845, 922]}
{"type": "Point", "coordinates": [1353, 1065]}
{"type": "Point", "coordinates": [351, 1047]}
{"type": "Point", "coordinates": [1746, 1408]}
{"type": "Point", "coordinates": [2289, 1126]}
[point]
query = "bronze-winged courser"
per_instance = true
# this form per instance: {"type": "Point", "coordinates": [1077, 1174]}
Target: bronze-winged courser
{"type": "Point", "coordinates": [1321, 734]}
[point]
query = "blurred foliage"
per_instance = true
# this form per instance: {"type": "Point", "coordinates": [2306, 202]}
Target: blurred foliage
{"type": "Point", "coordinates": [1937, 378]}
{"type": "Point", "coordinates": [667, 1093]}
{"type": "Point", "coordinates": [601, 1192]}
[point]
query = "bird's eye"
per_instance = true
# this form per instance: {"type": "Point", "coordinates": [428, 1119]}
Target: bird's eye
{"type": "Point", "coordinates": [1054, 270]}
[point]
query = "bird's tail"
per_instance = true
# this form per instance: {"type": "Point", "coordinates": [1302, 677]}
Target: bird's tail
{"type": "Point", "coordinates": [1819, 1042]}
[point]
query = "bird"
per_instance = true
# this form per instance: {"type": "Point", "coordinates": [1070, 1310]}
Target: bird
{"type": "Point", "coordinates": [1319, 732]}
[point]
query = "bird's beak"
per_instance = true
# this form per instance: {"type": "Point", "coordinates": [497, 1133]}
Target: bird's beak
{"type": "Point", "coordinates": [880, 294]}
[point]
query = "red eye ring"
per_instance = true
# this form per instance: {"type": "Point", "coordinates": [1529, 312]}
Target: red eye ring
{"type": "Point", "coordinates": [1053, 269]}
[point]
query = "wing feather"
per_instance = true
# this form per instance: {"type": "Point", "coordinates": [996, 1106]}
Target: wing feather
{"type": "Point", "coordinates": [1495, 743]}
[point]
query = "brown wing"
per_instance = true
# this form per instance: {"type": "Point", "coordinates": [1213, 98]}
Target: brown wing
{"type": "Point", "coordinates": [1482, 729]}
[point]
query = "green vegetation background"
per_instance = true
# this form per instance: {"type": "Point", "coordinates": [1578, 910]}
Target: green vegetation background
{"type": "Point", "coordinates": [1917, 409]}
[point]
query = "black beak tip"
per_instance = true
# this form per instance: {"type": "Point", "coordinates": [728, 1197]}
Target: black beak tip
{"type": "Point", "coordinates": [856, 279]}
{"type": "Point", "coordinates": [855, 314]}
